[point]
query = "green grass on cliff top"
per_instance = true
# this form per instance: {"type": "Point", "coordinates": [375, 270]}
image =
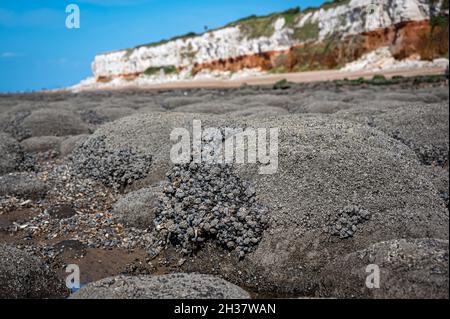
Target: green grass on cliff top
{"type": "Point", "coordinates": [257, 26]}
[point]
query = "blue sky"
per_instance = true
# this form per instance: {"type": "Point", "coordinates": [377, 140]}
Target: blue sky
{"type": "Point", "coordinates": [37, 51]}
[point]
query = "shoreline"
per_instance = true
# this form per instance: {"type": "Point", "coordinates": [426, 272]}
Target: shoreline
{"type": "Point", "coordinates": [270, 79]}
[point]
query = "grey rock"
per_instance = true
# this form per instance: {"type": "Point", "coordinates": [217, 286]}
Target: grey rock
{"type": "Point", "coordinates": [116, 168]}
{"type": "Point", "coordinates": [71, 142]}
{"type": "Point", "coordinates": [269, 100]}
{"type": "Point", "coordinates": [325, 165]}
{"type": "Point", "coordinates": [22, 186]}
{"type": "Point", "coordinates": [92, 117]}
{"type": "Point", "coordinates": [42, 144]}
{"type": "Point", "coordinates": [439, 176]}
{"type": "Point", "coordinates": [176, 101]}
{"type": "Point", "coordinates": [258, 110]}
{"type": "Point", "coordinates": [143, 138]}
{"type": "Point", "coordinates": [25, 276]}
{"type": "Point", "coordinates": [324, 107]}
{"type": "Point", "coordinates": [409, 268]}
{"type": "Point", "coordinates": [113, 113]}
{"type": "Point", "coordinates": [424, 128]}
{"type": "Point", "coordinates": [11, 154]}
{"type": "Point", "coordinates": [211, 108]}
{"type": "Point", "coordinates": [213, 216]}
{"type": "Point", "coordinates": [53, 122]}
{"type": "Point", "coordinates": [173, 286]}
{"type": "Point", "coordinates": [10, 123]}
{"type": "Point", "coordinates": [428, 98]}
{"type": "Point", "coordinates": [397, 96]}
{"type": "Point", "coordinates": [61, 211]}
{"type": "Point", "coordinates": [137, 209]}
{"type": "Point", "coordinates": [347, 220]}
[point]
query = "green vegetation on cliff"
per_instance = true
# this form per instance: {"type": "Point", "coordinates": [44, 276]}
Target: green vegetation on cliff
{"type": "Point", "coordinates": [168, 69]}
{"type": "Point", "coordinates": [309, 31]}
{"type": "Point", "coordinates": [258, 26]}
{"type": "Point", "coordinates": [329, 5]}
{"type": "Point", "coordinates": [263, 26]}
{"type": "Point", "coordinates": [164, 41]}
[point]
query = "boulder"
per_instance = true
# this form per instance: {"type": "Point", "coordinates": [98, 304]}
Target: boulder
{"type": "Point", "coordinates": [113, 113]}
{"type": "Point", "coordinates": [136, 209]}
{"type": "Point", "coordinates": [11, 154]}
{"type": "Point", "coordinates": [116, 168]}
{"type": "Point", "coordinates": [23, 276]}
{"type": "Point", "coordinates": [424, 128]}
{"type": "Point", "coordinates": [256, 110]}
{"type": "Point", "coordinates": [172, 286]}
{"type": "Point", "coordinates": [211, 107]}
{"type": "Point", "coordinates": [440, 178]}
{"type": "Point", "coordinates": [281, 101]}
{"type": "Point", "coordinates": [42, 144]}
{"type": "Point", "coordinates": [71, 142]}
{"type": "Point", "coordinates": [332, 175]}
{"type": "Point", "coordinates": [408, 268]}
{"type": "Point", "coordinates": [340, 187]}
{"type": "Point", "coordinates": [177, 101]}
{"type": "Point", "coordinates": [132, 148]}
{"type": "Point", "coordinates": [54, 122]}
{"type": "Point", "coordinates": [22, 186]}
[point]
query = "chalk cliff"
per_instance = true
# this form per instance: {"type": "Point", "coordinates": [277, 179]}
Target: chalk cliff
{"type": "Point", "coordinates": [316, 38]}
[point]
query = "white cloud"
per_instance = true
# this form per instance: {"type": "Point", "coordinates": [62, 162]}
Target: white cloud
{"type": "Point", "coordinates": [6, 55]}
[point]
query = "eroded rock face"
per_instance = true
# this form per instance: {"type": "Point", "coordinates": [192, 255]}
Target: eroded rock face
{"type": "Point", "coordinates": [241, 46]}
{"type": "Point", "coordinates": [173, 286]}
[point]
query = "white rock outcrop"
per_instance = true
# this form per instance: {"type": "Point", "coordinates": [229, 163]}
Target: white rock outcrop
{"type": "Point", "coordinates": [353, 17]}
{"type": "Point", "coordinates": [381, 59]}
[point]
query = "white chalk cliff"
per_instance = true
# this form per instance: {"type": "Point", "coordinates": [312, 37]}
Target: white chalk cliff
{"type": "Point", "coordinates": [194, 52]}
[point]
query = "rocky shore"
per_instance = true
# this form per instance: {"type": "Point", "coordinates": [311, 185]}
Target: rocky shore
{"type": "Point", "coordinates": [86, 179]}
